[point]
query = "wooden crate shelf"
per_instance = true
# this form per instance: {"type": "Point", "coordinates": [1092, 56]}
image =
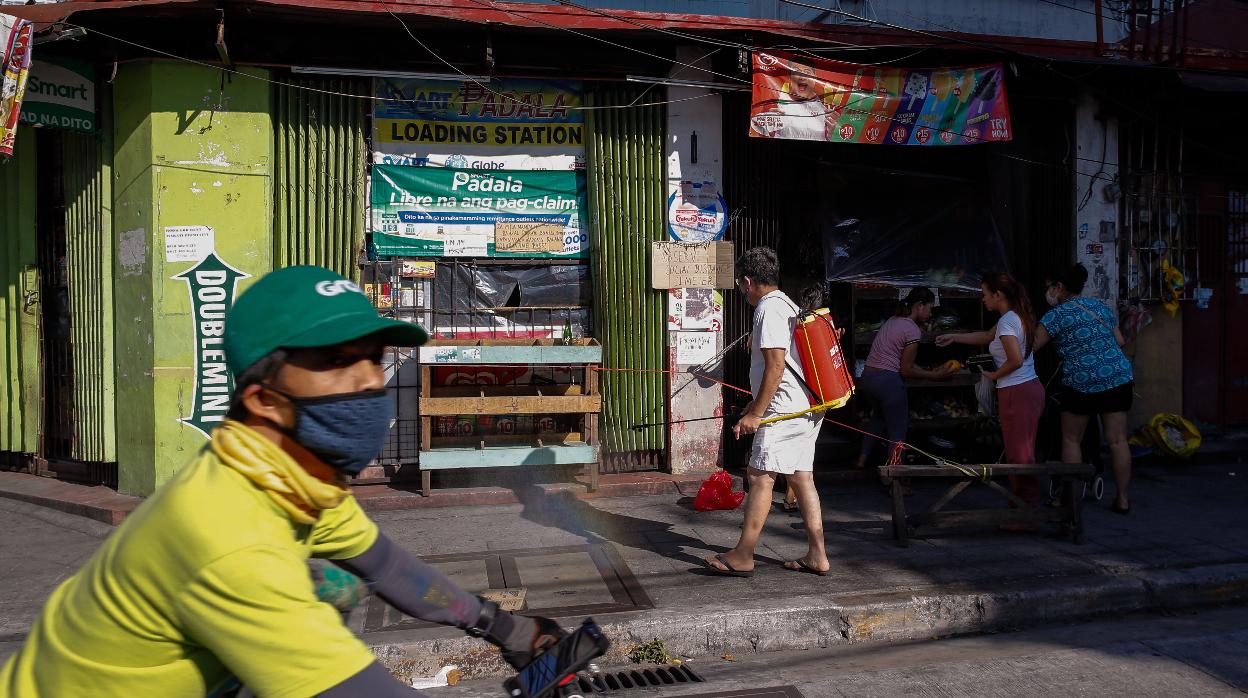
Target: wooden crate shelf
{"type": "Point", "coordinates": [507, 456]}
{"type": "Point", "coordinates": [509, 450]}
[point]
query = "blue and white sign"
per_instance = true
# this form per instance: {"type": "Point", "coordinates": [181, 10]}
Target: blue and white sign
{"type": "Point", "coordinates": [697, 213]}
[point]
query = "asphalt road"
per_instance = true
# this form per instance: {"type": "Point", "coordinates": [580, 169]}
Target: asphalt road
{"type": "Point", "coordinates": [1196, 654]}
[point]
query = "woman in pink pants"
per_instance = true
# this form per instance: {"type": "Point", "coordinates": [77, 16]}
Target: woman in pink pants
{"type": "Point", "coordinates": [1020, 395]}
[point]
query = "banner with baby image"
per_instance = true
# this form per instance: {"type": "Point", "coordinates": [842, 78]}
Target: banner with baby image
{"type": "Point", "coordinates": [838, 102]}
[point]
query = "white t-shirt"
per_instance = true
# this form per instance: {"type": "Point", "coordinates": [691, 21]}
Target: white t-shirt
{"type": "Point", "coordinates": [1011, 325]}
{"type": "Point", "coordinates": [775, 318]}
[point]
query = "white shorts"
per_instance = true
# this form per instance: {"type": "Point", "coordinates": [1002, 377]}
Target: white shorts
{"type": "Point", "coordinates": [787, 447]}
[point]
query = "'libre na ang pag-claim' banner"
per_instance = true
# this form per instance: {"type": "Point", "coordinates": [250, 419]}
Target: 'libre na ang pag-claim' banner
{"type": "Point", "coordinates": [847, 103]}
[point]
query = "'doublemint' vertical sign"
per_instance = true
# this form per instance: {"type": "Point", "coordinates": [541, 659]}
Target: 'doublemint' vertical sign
{"type": "Point", "coordinates": [211, 283]}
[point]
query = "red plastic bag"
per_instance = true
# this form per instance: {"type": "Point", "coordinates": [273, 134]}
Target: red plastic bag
{"type": "Point", "coordinates": [716, 493]}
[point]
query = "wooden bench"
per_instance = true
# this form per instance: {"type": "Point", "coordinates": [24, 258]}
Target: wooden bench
{"type": "Point", "coordinates": [1069, 514]}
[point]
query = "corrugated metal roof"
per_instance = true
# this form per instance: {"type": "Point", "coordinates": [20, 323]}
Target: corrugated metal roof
{"type": "Point", "coordinates": [552, 16]}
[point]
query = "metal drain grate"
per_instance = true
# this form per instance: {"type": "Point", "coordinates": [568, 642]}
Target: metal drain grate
{"type": "Point", "coordinates": [639, 678]}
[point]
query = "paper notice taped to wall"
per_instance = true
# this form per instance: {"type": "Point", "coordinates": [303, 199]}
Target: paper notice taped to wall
{"type": "Point", "coordinates": [528, 236]}
{"type": "Point", "coordinates": [695, 348]}
{"type": "Point", "coordinates": [189, 243]}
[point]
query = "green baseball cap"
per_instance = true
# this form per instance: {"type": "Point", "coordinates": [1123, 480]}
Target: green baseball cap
{"type": "Point", "coordinates": [306, 306]}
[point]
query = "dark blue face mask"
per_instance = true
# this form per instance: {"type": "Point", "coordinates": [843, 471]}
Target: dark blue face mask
{"type": "Point", "coordinates": [346, 430]}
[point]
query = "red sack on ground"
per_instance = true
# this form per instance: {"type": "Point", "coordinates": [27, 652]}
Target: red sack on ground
{"type": "Point", "coordinates": [716, 493]}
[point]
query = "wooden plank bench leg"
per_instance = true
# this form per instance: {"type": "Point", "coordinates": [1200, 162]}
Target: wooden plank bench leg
{"type": "Point", "coordinates": [594, 470]}
{"type": "Point", "coordinates": [1074, 504]}
{"type": "Point", "coordinates": [901, 529]}
{"type": "Point", "coordinates": [426, 482]}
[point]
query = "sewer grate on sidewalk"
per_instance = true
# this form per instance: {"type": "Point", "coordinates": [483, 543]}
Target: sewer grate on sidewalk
{"type": "Point", "coordinates": [559, 582]}
{"type": "Point", "coordinates": [655, 677]}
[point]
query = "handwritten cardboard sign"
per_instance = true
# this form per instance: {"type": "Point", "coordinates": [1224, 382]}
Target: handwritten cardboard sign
{"type": "Point", "coordinates": [528, 236]}
{"type": "Point", "coordinates": [697, 265]}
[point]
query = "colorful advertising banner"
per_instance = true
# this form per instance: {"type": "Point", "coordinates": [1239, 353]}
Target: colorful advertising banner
{"type": "Point", "coordinates": [60, 94]}
{"type": "Point", "coordinates": [16, 36]}
{"type": "Point", "coordinates": [494, 125]}
{"type": "Point", "coordinates": [450, 212]}
{"type": "Point", "coordinates": [848, 103]}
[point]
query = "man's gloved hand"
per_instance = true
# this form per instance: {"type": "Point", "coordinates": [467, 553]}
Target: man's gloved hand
{"type": "Point", "coordinates": [521, 638]}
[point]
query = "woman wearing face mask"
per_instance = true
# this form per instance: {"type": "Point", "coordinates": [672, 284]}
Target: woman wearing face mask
{"type": "Point", "coordinates": [1096, 376]}
{"type": "Point", "coordinates": [206, 584]}
{"type": "Point", "coordinates": [889, 363]}
{"type": "Point", "coordinates": [1020, 396]}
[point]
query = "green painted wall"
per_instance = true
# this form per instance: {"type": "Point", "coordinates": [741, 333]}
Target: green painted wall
{"type": "Point", "coordinates": [192, 149]}
{"type": "Point", "coordinates": [20, 401]}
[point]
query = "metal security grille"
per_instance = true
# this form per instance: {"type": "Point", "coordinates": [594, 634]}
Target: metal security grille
{"type": "Point", "coordinates": [456, 299]}
{"type": "Point", "coordinates": [59, 429]}
{"type": "Point", "coordinates": [627, 193]}
{"type": "Point", "coordinates": [753, 185]}
{"type": "Point", "coordinates": [320, 159]}
{"type": "Point", "coordinates": [1158, 213]}
{"type": "Point", "coordinates": [89, 281]}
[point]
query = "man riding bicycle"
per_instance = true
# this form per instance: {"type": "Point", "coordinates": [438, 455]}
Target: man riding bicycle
{"type": "Point", "coordinates": [208, 579]}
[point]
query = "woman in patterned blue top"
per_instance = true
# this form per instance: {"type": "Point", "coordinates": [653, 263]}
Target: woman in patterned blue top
{"type": "Point", "coordinates": [1096, 375]}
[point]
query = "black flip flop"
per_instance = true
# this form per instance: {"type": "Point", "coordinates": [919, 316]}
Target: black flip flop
{"type": "Point", "coordinates": [803, 567]}
{"type": "Point", "coordinates": [729, 570]}
{"type": "Point", "coordinates": [1120, 510]}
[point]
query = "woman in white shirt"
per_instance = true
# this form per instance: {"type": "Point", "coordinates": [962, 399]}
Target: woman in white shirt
{"type": "Point", "coordinates": [1020, 396]}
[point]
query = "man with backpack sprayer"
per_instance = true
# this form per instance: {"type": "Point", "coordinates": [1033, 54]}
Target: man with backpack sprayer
{"type": "Point", "coordinates": [786, 446]}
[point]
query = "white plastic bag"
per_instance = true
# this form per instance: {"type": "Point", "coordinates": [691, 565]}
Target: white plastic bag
{"type": "Point", "coordinates": [986, 393]}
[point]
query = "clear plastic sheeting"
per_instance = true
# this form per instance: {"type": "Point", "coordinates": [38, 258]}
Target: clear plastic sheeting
{"type": "Point", "coordinates": [516, 301]}
{"type": "Point", "coordinates": [948, 247]}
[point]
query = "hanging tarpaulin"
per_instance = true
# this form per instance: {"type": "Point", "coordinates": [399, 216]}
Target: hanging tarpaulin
{"type": "Point", "coordinates": [16, 36]}
{"type": "Point", "coordinates": [814, 100]}
{"type": "Point", "coordinates": [479, 124]}
{"type": "Point", "coordinates": [449, 212]}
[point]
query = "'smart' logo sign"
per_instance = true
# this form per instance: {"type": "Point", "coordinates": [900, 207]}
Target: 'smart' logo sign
{"type": "Point", "coordinates": [211, 283]}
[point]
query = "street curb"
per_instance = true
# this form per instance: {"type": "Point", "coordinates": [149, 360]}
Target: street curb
{"type": "Point", "coordinates": [90, 501]}
{"type": "Point", "coordinates": [805, 622]}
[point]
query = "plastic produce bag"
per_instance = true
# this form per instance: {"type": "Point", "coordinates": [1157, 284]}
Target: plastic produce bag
{"type": "Point", "coordinates": [716, 493]}
{"type": "Point", "coordinates": [986, 395]}
{"type": "Point", "coordinates": [1170, 434]}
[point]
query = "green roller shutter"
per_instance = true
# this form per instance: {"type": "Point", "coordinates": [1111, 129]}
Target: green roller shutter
{"type": "Point", "coordinates": [320, 164]}
{"type": "Point", "coordinates": [627, 185]}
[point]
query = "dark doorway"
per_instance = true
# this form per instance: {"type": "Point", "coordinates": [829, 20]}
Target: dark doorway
{"type": "Point", "coordinates": [57, 438]}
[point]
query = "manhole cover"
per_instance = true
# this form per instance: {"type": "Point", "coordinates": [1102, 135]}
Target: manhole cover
{"type": "Point", "coordinates": [567, 581]}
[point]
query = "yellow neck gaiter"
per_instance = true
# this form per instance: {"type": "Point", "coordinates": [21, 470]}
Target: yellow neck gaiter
{"type": "Point", "coordinates": [295, 490]}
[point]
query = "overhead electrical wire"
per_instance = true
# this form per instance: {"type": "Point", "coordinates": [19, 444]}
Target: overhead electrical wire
{"type": "Point", "coordinates": [334, 93]}
{"type": "Point", "coordinates": [734, 78]}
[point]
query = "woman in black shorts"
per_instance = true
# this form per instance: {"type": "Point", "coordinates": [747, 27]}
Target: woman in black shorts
{"type": "Point", "coordinates": [1097, 378]}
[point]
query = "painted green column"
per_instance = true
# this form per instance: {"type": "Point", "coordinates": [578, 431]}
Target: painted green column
{"type": "Point", "coordinates": [193, 220]}
{"type": "Point", "coordinates": [20, 387]}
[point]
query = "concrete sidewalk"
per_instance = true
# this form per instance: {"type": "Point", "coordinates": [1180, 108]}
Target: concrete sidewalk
{"type": "Point", "coordinates": [635, 564]}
